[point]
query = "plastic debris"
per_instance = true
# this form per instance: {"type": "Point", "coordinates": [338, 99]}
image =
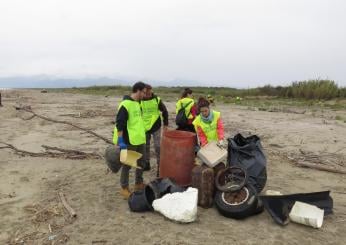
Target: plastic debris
{"type": "Point", "coordinates": [179, 206]}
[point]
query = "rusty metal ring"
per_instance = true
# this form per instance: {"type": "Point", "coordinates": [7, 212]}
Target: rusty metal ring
{"type": "Point", "coordinates": [231, 179]}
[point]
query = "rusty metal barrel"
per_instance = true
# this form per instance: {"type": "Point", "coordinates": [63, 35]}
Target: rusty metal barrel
{"type": "Point", "coordinates": [177, 156]}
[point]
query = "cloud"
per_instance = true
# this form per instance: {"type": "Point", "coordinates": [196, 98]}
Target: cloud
{"type": "Point", "coordinates": [244, 43]}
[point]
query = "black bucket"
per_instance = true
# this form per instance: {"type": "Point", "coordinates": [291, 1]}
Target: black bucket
{"type": "Point", "coordinates": [162, 186]}
{"type": "Point", "coordinates": [141, 201]}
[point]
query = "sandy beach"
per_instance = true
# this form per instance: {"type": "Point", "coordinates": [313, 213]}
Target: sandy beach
{"type": "Point", "coordinates": [31, 212]}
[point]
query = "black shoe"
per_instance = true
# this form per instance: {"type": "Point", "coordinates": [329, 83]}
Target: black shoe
{"type": "Point", "coordinates": [146, 166]}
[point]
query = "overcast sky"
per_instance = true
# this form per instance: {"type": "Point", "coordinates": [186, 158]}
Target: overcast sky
{"type": "Point", "coordinates": [240, 43]}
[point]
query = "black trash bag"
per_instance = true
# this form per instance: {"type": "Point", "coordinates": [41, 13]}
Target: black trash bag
{"type": "Point", "coordinates": [141, 201]}
{"type": "Point", "coordinates": [162, 186]}
{"type": "Point", "coordinates": [248, 154]}
{"type": "Point", "coordinates": [239, 204]}
{"type": "Point", "coordinates": [279, 207]}
{"type": "Point", "coordinates": [112, 156]}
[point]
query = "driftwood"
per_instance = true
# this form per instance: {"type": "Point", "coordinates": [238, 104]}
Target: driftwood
{"type": "Point", "coordinates": [29, 118]}
{"type": "Point", "coordinates": [98, 241]}
{"type": "Point", "coordinates": [22, 152]}
{"type": "Point", "coordinates": [63, 150]}
{"type": "Point", "coordinates": [320, 167]}
{"type": "Point", "coordinates": [54, 152]}
{"type": "Point", "coordinates": [324, 161]}
{"type": "Point", "coordinates": [66, 205]}
{"type": "Point", "coordinates": [28, 109]}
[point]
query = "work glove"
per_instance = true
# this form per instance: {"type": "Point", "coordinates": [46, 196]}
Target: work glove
{"type": "Point", "coordinates": [121, 143]}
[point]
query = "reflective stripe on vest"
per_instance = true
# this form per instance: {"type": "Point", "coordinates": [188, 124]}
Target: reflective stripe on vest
{"type": "Point", "coordinates": [135, 125]}
{"type": "Point", "coordinates": [150, 112]}
{"type": "Point", "coordinates": [183, 102]}
{"type": "Point", "coordinates": [209, 129]}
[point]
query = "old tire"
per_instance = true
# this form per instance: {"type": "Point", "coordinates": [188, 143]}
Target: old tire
{"type": "Point", "coordinates": [237, 205]}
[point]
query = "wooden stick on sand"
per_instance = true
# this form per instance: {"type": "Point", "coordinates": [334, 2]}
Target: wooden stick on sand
{"type": "Point", "coordinates": [319, 167]}
{"type": "Point", "coordinates": [28, 109]}
{"type": "Point", "coordinates": [66, 205]}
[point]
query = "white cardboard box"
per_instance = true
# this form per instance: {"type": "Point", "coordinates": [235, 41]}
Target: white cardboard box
{"type": "Point", "coordinates": [212, 154]}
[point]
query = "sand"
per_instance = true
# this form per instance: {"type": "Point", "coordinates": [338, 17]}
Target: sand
{"type": "Point", "coordinates": [31, 212]}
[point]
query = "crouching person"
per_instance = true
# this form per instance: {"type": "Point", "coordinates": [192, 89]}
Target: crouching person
{"type": "Point", "coordinates": [208, 124]}
{"type": "Point", "coordinates": [130, 134]}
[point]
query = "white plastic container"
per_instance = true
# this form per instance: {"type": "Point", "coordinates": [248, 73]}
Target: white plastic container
{"type": "Point", "coordinates": [307, 214]}
{"type": "Point", "coordinates": [211, 154]}
{"type": "Point", "coordinates": [273, 193]}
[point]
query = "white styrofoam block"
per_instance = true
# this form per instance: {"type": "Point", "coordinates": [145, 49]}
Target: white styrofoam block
{"type": "Point", "coordinates": [307, 214]}
{"type": "Point", "coordinates": [179, 206]}
{"type": "Point", "coordinates": [211, 154]}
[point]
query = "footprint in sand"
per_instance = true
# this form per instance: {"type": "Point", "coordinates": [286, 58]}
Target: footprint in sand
{"type": "Point", "coordinates": [24, 179]}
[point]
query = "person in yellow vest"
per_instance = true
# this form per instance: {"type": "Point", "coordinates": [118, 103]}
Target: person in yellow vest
{"type": "Point", "coordinates": [210, 99]}
{"type": "Point", "coordinates": [152, 107]}
{"type": "Point", "coordinates": [129, 133]}
{"type": "Point", "coordinates": [208, 124]}
{"type": "Point", "coordinates": [188, 104]}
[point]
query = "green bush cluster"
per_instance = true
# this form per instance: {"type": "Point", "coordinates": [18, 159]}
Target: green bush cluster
{"type": "Point", "coordinates": [310, 90]}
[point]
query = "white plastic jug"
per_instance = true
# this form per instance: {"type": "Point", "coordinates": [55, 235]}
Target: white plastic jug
{"type": "Point", "coordinates": [307, 214]}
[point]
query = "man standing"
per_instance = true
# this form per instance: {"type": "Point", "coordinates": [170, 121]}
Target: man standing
{"type": "Point", "coordinates": [130, 134]}
{"type": "Point", "coordinates": [151, 107]}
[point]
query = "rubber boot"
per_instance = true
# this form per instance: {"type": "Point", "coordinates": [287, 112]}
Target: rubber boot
{"type": "Point", "coordinates": [125, 192]}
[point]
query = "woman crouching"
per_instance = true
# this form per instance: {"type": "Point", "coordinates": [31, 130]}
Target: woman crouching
{"type": "Point", "coordinates": [208, 124]}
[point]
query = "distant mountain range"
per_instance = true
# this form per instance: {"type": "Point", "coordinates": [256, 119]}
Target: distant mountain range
{"type": "Point", "coordinates": [45, 81]}
{"type": "Point", "coordinates": [42, 81]}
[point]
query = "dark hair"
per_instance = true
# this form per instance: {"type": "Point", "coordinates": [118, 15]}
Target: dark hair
{"type": "Point", "coordinates": [138, 86]}
{"type": "Point", "coordinates": [148, 86]}
{"type": "Point", "coordinates": [186, 92]}
{"type": "Point", "coordinates": [202, 102]}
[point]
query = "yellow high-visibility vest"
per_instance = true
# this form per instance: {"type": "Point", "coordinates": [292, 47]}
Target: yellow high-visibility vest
{"type": "Point", "coordinates": [150, 112]}
{"type": "Point", "coordinates": [181, 103]}
{"type": "Point", "coordinates": [135, 124]}
{"type": "Point", "coordinates": [209, 129]}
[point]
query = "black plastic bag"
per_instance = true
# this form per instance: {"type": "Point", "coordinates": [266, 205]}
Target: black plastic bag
{"type": "Point", "coordinates": [181, 119]}
{"type": "Point", "coordinates": [248, 154]}
{"type": "Point", "coordinates": [162, 186]}
{"type": "Point", "coordinates": [279, 207]}
{"type": "Point", "coordinates": [141, 201]}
